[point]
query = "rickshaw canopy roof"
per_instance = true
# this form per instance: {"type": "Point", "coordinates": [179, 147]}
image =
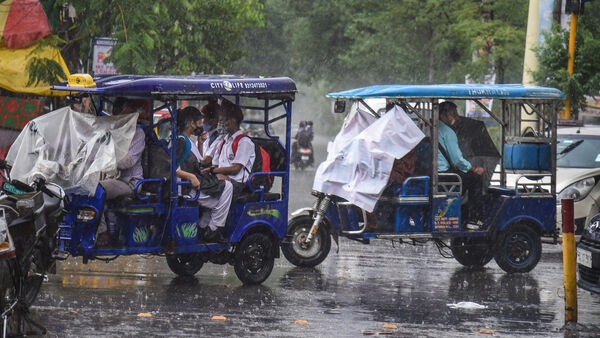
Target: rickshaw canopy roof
{"type": "Point", "coordinates": [454, 91]}
{"type": "Point", "coordinates": [186, 86]}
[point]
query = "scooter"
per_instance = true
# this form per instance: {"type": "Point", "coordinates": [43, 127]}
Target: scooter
{"type": "Point", "coordinates": [302, 156]}
{"type": "Point", "coordinates": [29, 216]}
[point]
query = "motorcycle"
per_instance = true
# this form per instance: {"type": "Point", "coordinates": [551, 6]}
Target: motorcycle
{"type": "Point", "coordinates": [302, 156]}
{"type": "Point", "coordinates": [29, 217]}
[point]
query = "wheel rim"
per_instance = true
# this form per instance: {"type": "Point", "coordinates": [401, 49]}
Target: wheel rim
{"type": "Point", "coordinates": [186, 260]}
{"type": "Point", "coordinates": [519, 248]}
{"type": "Point", "coordinates": [304, 248]}
{"type": "Point", "coordinates": [256, 257]}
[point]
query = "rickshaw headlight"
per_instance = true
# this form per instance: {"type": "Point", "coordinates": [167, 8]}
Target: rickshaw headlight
{"type": "Point", "coordinates": [578, 190]}
{"type": "Point", "coordinates": [85, 214]}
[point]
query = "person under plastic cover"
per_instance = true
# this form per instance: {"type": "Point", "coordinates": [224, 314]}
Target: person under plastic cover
{"type": "Point", "coordinates": [367, 155]}
{"type": "Point", "coordinates": [130, 169]}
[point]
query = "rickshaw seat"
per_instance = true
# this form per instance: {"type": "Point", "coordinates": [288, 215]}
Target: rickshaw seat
{"type": "Point", "coordinates": [142, 201]}
{"type": "Point", "coordinates": [246, 196]}
{"type": "Point", "coordinates": [501, 190]}
{"type": "Point", "coordinates": [413, 191]}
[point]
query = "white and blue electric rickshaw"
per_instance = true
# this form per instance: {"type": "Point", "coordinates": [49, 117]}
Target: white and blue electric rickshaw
{"type": "Point", "coordinates": [352, 187]}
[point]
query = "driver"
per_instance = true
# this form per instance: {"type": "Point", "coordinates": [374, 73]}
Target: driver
{"type": "Point", "coordinates": [451, 160]}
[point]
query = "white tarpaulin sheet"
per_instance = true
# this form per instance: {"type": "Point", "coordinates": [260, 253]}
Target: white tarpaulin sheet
{"type": "Point", "coordinates": [71, 149]}
{"type": "Point", "coordinates": [360, 159]}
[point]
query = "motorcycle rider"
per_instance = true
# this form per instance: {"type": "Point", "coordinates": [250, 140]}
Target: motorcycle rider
{"type": "Point", "coordinates": [303, 137]}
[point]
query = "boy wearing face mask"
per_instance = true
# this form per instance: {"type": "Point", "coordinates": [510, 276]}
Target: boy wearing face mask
{"type": "Point", "coordinates": [211, 136]}
{"type": "Point", "coordinates": [189, 122]}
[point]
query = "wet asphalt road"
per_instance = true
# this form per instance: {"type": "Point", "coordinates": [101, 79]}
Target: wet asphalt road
{"type": "Point", "coordinates": [378, 289]}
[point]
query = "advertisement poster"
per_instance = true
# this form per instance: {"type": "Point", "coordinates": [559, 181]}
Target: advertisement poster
{"type": "Point", "coordinates": [102, 50]}
{"type": "Point", "coordinates": [472, 109]}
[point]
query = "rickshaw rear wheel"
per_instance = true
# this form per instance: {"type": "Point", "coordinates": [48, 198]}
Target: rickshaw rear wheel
{"type": "Point", "coordinates": [471, 251]}
{"type": "Point", "coordinates": [518, 249]}
{"type": "Point", "coordinates": [301, 253]}
{"type": "Point", "coordinates": [254, 258]}
{"type": "Point", "coordinates": [185, 265]}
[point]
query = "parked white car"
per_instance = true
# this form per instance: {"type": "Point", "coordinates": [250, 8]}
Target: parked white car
{"type": "Point", "coordinates": [578, 172]}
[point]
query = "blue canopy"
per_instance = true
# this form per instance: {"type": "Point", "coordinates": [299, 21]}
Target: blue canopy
{"type": "Point", "coordinates": [454, 91]}
{"type": "Point", "coordinates": [157, 85]}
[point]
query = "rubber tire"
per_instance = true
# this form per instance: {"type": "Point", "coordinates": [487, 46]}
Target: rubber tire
{"type": "Point", "coordinates": [295, 253]}
{"type": "Point", "coordinates": [8, 292]}
{"type": "Point", "coordinates": [472, 252]}
{"type": "Point", "coordinates": [185, 265]}
{"type": "Point", "coordinates": [7, 287]}
{"type": "Point", "coordinates": [31, 271]}
{"type": "Point", "coordinates": [518, 249]}
{"type": "Point", "coordinates": [254, 258]}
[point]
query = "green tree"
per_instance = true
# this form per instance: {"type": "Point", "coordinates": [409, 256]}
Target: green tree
{"type": "Point", "coordinates": [166, 37]}
{"type": "Point", "coordinates": [335, 45]}
{"type": "Point", "coordinates": [553, 56]}
{"type": "Point", "coordinates": [359, 42]}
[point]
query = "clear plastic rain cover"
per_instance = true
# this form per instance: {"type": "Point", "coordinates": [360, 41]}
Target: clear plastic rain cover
{"type": "Point", "coordinates": [360, 158]}
{"type": "Point", "coordinates": [71, 149]}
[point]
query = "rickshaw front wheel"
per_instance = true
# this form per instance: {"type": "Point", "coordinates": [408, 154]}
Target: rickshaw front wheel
{"type": "Point", "coordinates": [254, 258]}
{"type": "Point", "coordinates": [185, 265]}
{"type": "Point", "coordinates": [471, 251]}
{"type": "Point", "coordinates": [518, 249]}
{"type": "Point", "coordinates": [300, 252]}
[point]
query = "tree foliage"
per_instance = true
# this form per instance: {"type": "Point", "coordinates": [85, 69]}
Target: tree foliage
{"type": "Point", "coordinates": [553, 57]}
{"type": "Point", "coordinates": [330, 44]}
{"type": "Point", "coordinates": [358, 42]}
{"type": "Point", "coordinates": [169, 36]}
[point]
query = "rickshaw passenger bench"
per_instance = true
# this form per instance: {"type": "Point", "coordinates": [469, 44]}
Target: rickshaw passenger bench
{"type": "Point", "coordinates": [143, 201]}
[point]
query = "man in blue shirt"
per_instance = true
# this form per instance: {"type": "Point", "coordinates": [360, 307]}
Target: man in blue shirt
{"type": "Point", "coordinates": [451, 160]}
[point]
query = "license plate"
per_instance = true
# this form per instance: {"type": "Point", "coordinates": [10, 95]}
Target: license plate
{"type": "Point", "coordinates": [304, 158]}
{"type": "Point", "coordinates": [584, 258]}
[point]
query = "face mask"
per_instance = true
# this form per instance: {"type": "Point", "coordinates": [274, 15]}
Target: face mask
{"type": "Point", "coordinates": [221, 129]}
{"type": "Point", "coordinates": [206, 127]}
{"type": "Point", "coordinates": [198, 131]}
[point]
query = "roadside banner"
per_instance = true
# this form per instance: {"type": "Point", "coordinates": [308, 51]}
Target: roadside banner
{"type": "Point", "coordinates": [14, 76]}
{"type": "Point", "coordinates": [22, 23]}
{"type": "Point", "coordinates": [102, 50]}
{"type": "Point", "coordinates": [474, 110]}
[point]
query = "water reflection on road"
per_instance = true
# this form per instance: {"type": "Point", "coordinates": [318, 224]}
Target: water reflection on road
{"type": "Point", "coordinates": [375, 289]}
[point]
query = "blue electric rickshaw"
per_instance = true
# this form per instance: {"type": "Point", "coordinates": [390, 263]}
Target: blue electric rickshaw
{"type": "Point", "coordinates": [157, 218]}
{"type": "Point", "coordinates": [519, 203]}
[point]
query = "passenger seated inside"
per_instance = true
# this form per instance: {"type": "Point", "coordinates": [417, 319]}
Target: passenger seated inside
{"type": "Point", "coordinates": [213, 194]}
{"type": "Point", "coordinates": [235, 156]}
{"type": "Point", "coordinates": [451, 160]}
{"type": "Point", "coordinates": [130, 169]}
{"type": "Point", "coordinates": [381, 219]}
{"type": "Point", "coordinates": [211, 136]}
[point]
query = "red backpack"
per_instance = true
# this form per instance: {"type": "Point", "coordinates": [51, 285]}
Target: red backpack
{"type": "Point", "coordinates": [262, 163]}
